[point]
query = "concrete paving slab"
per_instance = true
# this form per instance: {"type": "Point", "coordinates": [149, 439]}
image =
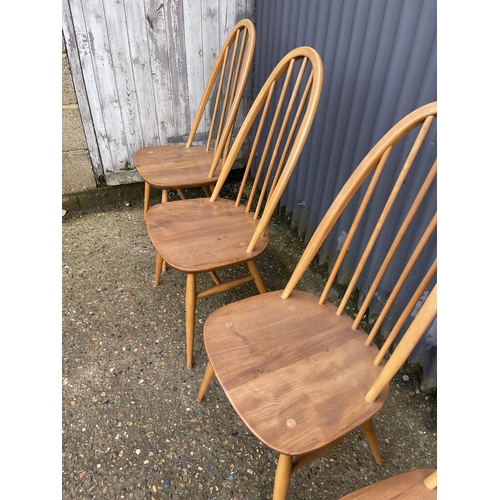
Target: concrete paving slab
{"type": "Point", "coordinates": [132, 428]}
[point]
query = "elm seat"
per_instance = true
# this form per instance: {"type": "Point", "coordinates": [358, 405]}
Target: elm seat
{"type": "Point", "coordinates": [175, 166]}
{"type": "Point", "coordinates": [216, 237]}
{"type": "Point", "coordinates": [282, 378]}
{"type": "Point", "coordinates": [419, 484]}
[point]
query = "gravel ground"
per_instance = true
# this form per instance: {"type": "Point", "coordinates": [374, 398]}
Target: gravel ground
{"type": "Point", "coordinates": [132, 428]}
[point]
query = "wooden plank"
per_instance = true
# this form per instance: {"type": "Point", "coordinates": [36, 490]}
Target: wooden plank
{"type": "Point", "coordinates": [123, 79]}
{"type": "Point", "coordinates": [89, 81]}
{"type": "Point", "coordinates": [162, 83]}
{"type": "Point", "coordinates": [194, 58]}
{"type": "Point", "coordinates": [100, 52]}
{"type": "Point", "coordinates": [174, 19]}
{"type": "Point", "coordinates": [244, 10]}
{"type": "Point", "coordinates": [210, 41]}
{"type": "Point", "coordinates": [141, 66]}
{"type": "Point", "coordinates": [81, 95]}
{"type": "Point", "coordinates": [227, 19]}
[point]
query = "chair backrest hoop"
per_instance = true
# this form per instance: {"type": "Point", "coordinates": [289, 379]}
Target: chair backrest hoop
{"type": "Point", "coordinates": [242, 39]}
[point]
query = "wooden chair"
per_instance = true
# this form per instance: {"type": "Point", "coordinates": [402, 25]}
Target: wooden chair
{"type": "Point", "coordinates": [177, 166]}
{"type": "Point", "coordinates": [203, 235]}
{"type": "Point", "coordinates": [420, 484]}
{"type": "Point", "coordinates": [300, 372]}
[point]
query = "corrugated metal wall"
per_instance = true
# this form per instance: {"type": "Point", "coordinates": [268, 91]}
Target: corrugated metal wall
{"type": "Point", "coordinates": [380, 63]}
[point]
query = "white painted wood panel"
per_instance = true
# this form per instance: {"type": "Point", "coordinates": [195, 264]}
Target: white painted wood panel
{"type": "Point", "coordinates": [79, 85]}
{"type": "Point", "coordinates": [158, 52]}
{"type": "Point", "coordinates": [196, 77]}
{"type": "Point", "coordinates": [107, 93]}
{"type": "Point", "coordinates": [124, 86]}
{"type": "Point", "coordinates": [141, 66]}
{"type": "Point", "coordinates": [176, 44]}
{"type": "Point", "coordinates": [89, 93]}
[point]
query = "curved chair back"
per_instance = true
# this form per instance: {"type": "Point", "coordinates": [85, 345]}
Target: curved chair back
{"type": "Point", "coordinates": [225, 87]}
{"type": "Point", "coordinates": [279, 120]}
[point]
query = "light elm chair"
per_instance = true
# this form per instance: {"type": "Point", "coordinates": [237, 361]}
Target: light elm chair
{"type": "Point", "coordinates": [183, 166]}
{"type": "Point", "coordinates": [300, 372]}
{"type": "Point", "coordinates": [205, 235]}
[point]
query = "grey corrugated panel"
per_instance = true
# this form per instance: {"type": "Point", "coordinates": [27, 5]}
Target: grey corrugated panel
{"type": "Point", "coordinates": [379, 61]}
{"type": "Point", "coordinates": [375, 73]}
{"type": "Point", "coordinates": [368, 86]}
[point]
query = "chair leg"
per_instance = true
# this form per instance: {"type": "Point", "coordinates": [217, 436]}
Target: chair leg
{"type": "Point", "coordinates": [207, 191]}
{"type": "Point", "coordinates": [164, 199]}
{"type": "Point", "coordinates": [159, 264]}
{"type": "Point", "coordinates": [147, 197]}
{"type": "Point", "coordinates": [282, 477]}
{"type": "Point", "coordinates": [214, 277]}
{"type": "Point", "coordinates": [207, 378]}
{"type": "Point", "coordinates": [257, 276]}
{"type": "Point", "coordinates": [369, 431]}
{"type": "Point", "coordinates": [190, 316]}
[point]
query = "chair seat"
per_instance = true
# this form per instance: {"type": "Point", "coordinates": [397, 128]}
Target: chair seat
{"type": "Point", "coordinates": [175, 166]}
{"type": "Point", "coordinates": [409, 485]}
{"type": "Point", "coordinates": [216, 237]}
{"type": "Point", "coordinates": [295, 372]}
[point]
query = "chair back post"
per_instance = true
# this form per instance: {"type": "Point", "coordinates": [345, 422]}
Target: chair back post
{"type": "Point", "coordinates": [415, 331]}
{"type": "Point", "coordinates": [403, 316]}
{"type": "Point", "coordinates": [395, 244]}
{"type": "Point", "coordinates": [431, 480]}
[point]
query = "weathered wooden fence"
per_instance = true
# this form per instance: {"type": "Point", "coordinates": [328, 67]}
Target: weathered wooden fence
{"type": "Point", "coordinates": [139, 69]}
